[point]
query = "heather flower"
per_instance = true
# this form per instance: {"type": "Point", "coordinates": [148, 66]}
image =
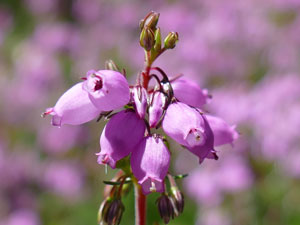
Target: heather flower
{"type": "Point", "coordinates": [189, 128]}
{"type": "Point", "coordinates": [121, 135]}
{"type": "Point", "coordinates": [140, 98]}
{"type": "Point", "coordinates": [150, 163]}
{"type": "Point", "coordinates": [156, 108]}
{"type": "Point", "coordinates": [189, 92]}
{"type": "Point", "coordinates": [223, 133]}
{"type": "Point", "coordinates": [73, 107]}
{"type": "Point", "coordinates": [107, 89]}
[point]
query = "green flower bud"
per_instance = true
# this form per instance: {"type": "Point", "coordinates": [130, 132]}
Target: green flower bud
{"type": "Point", "coordinates": [171, 40]}
{"type": "Point", "coordinates": [157, 37]}
{"type": "Point", "coordinates": [147, 40]}
{"type": "Point", "coordinates": [150, 21]}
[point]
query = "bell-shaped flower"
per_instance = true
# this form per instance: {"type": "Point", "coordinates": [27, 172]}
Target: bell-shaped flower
{"type": "Point", "coordinates": [139, 97]}
{"type": "Point", "coordinates": [189, 128]}
{"type": "Point", "coordinates": [223, 132]}
{"type": "Point", "coordinates": [121, 135]}
{"type": "Point", "coordinates": [156, 108]}
{"type": "Point", "coordinates": [73, 107]}
{"type": "Point", "coordinates": [107, 89]}
{"type": "Point", "coordinates": [189, 92]}
{"type": "Point", "coordinates": [150, 163]}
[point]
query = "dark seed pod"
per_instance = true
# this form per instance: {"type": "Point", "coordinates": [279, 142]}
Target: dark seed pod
{"type": "Point", "coordinates": [165, 208]}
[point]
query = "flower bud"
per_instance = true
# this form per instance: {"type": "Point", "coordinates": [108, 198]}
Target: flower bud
{"type": "Point", "coordinates": [114, 213]}
{"type": "Point", "coordinates": [189, 92]}
{"type": "Point", "coordinates": [111, 211]}
{"type": "Point", "coordinates": [150, 163]}
{"type": "Point", "coordinates": [103, 210]}
{"type": "Point", "coordinates": [165, 208]}
{"type": "Point", "coordinates": [107, 89]}
{"type": "Point", "coordinates": [150, 21]}
{"type": "Point", "coordinates": [147, 39]}
{"type": "Point", "coordinates": [110, 65]}
{"type": "Point", "coordinates": [157, 37]}
{"type": "Point", "coordinates": [139, 96]}
{"type": "Point", "coordinates": [74, 107]}
{"type": "Point", "coordinates": [177, 199]}
{"type": "Point", "coordinates": [171, 40]}
{"type": "Point", "coordinates": [156, 108]}
{"type": "Point", "coordinates": [121, 135]}
{"type": "Point", "coordinates": [189, 128]}
{"type": "Point", "coordinates": [223, 133]}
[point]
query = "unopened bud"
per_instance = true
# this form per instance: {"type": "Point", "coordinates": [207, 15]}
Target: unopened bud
{"type": "Point", "coordinates": [157, 37]}
{"type": "Point", "coordinates": [147, 39]}
{"type": "Point", "coordinates": [150, 21]}
{"type": "Point", "coordinates": [177, 198]}
{"type": "Point", "coordinates": [165, 208]}
{"type": "Point", "coordinates": [110, 65]}
{"type": "Point", "coordinates": [171, 40]}
{"type": "Point", "coordinates": [111, 212]}
{"type": "Point", "coordinates": [103, 210]}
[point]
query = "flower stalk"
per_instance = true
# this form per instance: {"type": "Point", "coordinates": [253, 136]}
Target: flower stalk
{"type": "Point", "coordinates": [140, 205]}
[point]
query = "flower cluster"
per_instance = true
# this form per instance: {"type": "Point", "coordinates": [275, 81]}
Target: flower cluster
{"type": "Point", "coordinates": [129, 131]}
{"type": "Point", "coordinates": [174, 104]}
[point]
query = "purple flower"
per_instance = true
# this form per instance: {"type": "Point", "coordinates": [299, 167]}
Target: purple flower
{"type": "Point", "coordinates": [189, 128]}
{"type": "Point", "coordinates": [150, 163]}
{"type": "Point", "coordinates": [223, 133]}
{"type": "Point", "coordinates": [120, 136]}
{"type": "Point", "coordinates": [139, 95]}
{"type": "Point", "coordinates": [156, 108]}
{"type": "Point", "coordinates": [189, 92]}
{"type": "Point", "coordinates": [108, 89]}
{"type": "Point", "coordinates": [73, 107]}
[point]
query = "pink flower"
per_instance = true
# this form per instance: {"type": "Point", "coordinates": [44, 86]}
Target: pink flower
{"type": "Point", "coordinates": [189, 128]}
{"type": "Point", "coordinates": [120, 136]}
{"type": "Point", "coordinates": [139, 95]}
{"type": "Point", "coordinates": [73, 107]}
{"type": "Point", "coordinates": [156, 108]}
{"type": "Point", "coordinates": [150, 163]}
{"type": "Point", "coordinates": [107, 89]}
{"type": "Point", "coordinates": [223, 133]}
{"type": "Point", "coordinates": [189, 92]}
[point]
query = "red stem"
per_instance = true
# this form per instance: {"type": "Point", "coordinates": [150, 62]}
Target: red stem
{"type": "Point", "coordinates": [140, 206]}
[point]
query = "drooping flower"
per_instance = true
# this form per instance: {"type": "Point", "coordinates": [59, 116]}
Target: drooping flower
{"type": "Point", "coordinates": [139, 96]}
{"type": "Point", "coordinates": [150, 163]}
{"type": "Point", "coordinates": [189, 92]}
{"type": "Point", "coordinates": [156, 108]}
{"type": "Point", "coordinates": [189, 128]}
{"type": "Point", "coordinates": [121, 135]}
{"type": "Point", "coordinates": [107, 89]}
{"type": "Point", "coordinates": [223, 133]}
{"type": "Point", "coordinates": [73, 107]}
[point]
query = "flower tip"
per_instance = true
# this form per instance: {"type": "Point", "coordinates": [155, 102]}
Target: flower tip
{"type": "Point", "coordinates": [48, 111]}
{"type": "Point", "coordinates": [105, 159]}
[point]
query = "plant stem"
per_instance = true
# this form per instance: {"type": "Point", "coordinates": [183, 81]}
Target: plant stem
{"type": "Point", "coordinates": [140, 205]}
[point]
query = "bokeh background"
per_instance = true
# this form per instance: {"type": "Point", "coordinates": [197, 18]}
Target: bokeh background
{"type": "Point", "coordinates": [245, 52]}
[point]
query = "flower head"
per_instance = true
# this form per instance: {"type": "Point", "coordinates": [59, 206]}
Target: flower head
{"type": "Point", "coordinates": [189, 128]}
{"type": "Point", "coordinates": [120, 136]}
{"type": "Point", "coordinates": [150, 163]}
{"type": "Point", "coordinates": [73, 107]}
{"type": "Point", "coordinates": [107, 89]}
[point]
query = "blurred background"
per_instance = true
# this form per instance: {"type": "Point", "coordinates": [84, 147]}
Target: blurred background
{"type": "Point", "coordinates": [245, 52]}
